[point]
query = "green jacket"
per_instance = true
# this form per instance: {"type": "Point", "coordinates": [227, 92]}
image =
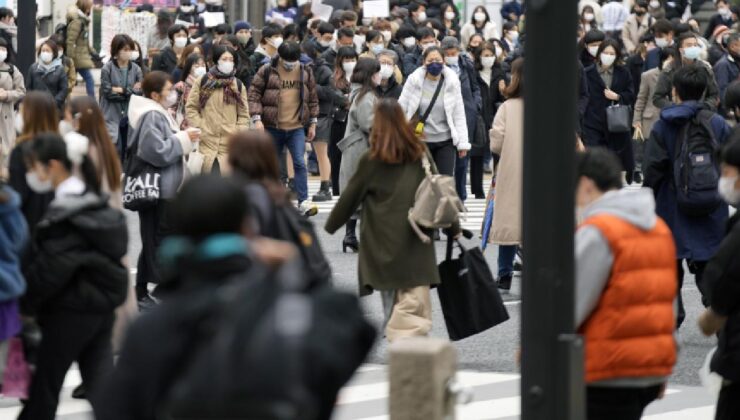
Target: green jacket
{"type": "Point", "coordinates": [78, 39]}
{"type": "Point", "coordinates": [391, 255]}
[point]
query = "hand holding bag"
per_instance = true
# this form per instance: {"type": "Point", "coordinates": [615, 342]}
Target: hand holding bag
{"type": "Point", "coordinates": [618, 118]}
{"type": "Point", "coordinates": [470, 299]}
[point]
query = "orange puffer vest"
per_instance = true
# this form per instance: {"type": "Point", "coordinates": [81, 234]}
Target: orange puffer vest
{"type": "Point", "coordinates": [630, 332]}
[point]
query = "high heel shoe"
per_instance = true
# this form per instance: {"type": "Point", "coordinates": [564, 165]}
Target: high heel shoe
{"type": "Point", "coordinates": [351, 243]}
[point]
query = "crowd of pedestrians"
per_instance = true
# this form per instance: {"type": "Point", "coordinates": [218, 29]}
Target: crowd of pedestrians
{"type": "Point", "coordinates": [210, 136]}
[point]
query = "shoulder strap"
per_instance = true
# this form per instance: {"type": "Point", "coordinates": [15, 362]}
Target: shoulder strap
{"type": "Point", "coordinates": [266, 77]}
{"type": "Point", "coordinates": [434, 99]}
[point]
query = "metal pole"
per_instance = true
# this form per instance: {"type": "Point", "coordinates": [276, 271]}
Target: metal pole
{"type": "Point", "coordinates": [26, 22]}
{"type": "Point", "coordinates": [552, 355]}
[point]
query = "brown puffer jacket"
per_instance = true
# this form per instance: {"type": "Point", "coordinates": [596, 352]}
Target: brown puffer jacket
{"type": "Point", "coordinates": [264, 96]}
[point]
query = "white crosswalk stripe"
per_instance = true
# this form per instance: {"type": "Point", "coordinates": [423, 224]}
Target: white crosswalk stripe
{"type": "Point", "coordinates": [495, 396]}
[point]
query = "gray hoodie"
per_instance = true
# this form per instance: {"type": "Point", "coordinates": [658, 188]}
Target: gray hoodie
{"type": "Point", "coordinates": [160, 141]}
{"type": "Point", "coordinates": [594, 257]}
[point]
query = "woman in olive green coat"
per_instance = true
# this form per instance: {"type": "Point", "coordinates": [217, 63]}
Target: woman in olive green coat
{"type": "Point", "coordinates": [392, 258]}
{"type": "Point", "coordinates": [78, 42]}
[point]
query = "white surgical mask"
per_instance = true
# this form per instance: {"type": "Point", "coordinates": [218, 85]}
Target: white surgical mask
{"type": "Point", "coordinates": [170, 100]}
{"type": "Point", "coordinates": [479, 16]}
{"type": "Point", "coordinates": [3, 55]}
{"type": "Point", "coordinates": [325, 44]}
{"type": "Point", "coordinates": [199, 71]}
{"type": "Point", "coordinates": [387, 35]}
{"type": "Point", "coordinates": [692, 53]}
{"type": "Point", "coordinates": [428, 45]}
{"type": "Point", "coordinates": [727, 190]}
{"type": "Point", "coordinates": [513, 36]}
{"type": "Point", "coordinates": [661, 42]}
{"type": "Point", "coordinates": [367, 21]}
{"type": "Point", "coordinates": [487, 62]}
{"type": "Point", "coordinates": [407, 42]}
{"type": "Point", "coordinates": [588, 17]}
{"type": "Point", "coordinates": [349, 67]}
{"type": "Point", "coordinates": [449, 15]}
{"type": "Point", "coordinates": [725, 12]}
{"type": "Point", "coordinates": [181, 42]}
{"type": "Point", "coordinates": [359, 41]}
{"type": "Point", "coordinates": [655, 4]}
{"type": "Point", "coordinates": [124, 55]}
{"type": "Point", "coordinates": [134, 55]}
{"type": "Point", "coordinates": [290, 65]}
{"type": "Point", "coordinates": [376, 48]}
{"type": "Point", "coordinates": [386, 71]}
{"type": "Point", "coordinates": [452, 61]}
{"type": "Point", "coordinates": [421, 16]}
{"type": "Point", "coordinates": [226, 67]}
{"type": "Point", "coordinates": [276, 42]}
{"type": "Point", "coordinates": [244, 38]}
{"type": "Point", "coordinates": [607, 59]}
{"type": "Point", "coordinates": [593, 50]}
{"type": "Point", "coordinates": [38, 186]}
{"type": "Point", "coordinates": [46, 57]}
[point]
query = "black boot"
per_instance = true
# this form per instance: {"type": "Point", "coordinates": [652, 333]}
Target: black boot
{"type": "Point", "coordinates": [350, 237]}
{"type": "Point", "coordinates": [324, 193]}
{"type": "Point", "coordinates": [504, 282]}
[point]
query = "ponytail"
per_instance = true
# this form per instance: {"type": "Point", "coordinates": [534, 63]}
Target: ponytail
{"type": "Point", "coordinates": [70, 151]}
{"type": "Point", "coordinates": [90, 175]}
{"type": "Point", "coordinates": [77, 153]}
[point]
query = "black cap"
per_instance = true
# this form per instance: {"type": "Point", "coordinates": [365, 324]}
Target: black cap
{"type": "Point", "coordinates": [594, 35]}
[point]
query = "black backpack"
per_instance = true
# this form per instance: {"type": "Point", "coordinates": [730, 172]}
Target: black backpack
{"type": "Point", "coordinates": [268, 346]}
{"type": "Point", "coordinates": [696, 171]}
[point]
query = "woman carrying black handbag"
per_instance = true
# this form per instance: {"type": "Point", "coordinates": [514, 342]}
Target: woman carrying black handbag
{"type": "Point", "coordinates": [154, 170]}
{"type": "Point", "coordinates": [611, 93]}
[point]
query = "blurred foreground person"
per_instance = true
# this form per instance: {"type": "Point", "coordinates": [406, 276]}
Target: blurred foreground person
{"type": "Point", "coordinates": [237, 315]}
{"type": "Point", "coordinates": [622, 247]}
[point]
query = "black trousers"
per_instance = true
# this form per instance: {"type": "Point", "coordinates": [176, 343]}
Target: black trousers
{"type": "Point", "coordinates": [335, 155]}
{"type": "Point", "coordinates": [444, 154]}
{"type": "Point", "coordinates": [606, 403]}
{"type": "Point", "coordinates": [154, 226]}
{"type": "Point", "coordinates": [728, 404]}
{"type": "Point", "coordinates": [68, 337]}
{"type": "Point", "coordinates": [476, 176]}
{"type": "Point", "coordinates": [697, 269]}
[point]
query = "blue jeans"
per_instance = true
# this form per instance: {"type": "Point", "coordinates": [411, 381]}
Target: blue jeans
{"type": "Point", "coordinates": [89, 81]}
{"type": "Point", "coordinates": [461, 176]}
{"type": "Point", "coordinates": [506, 255]}
{"type": "Point", "coordinates": [295, 141]}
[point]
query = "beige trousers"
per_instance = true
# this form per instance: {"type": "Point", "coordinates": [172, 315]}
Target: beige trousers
{"type": "Point", "coordinates": [411, 315]}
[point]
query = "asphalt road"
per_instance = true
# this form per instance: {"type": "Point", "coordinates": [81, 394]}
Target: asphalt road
{"type": "Point", "coordinates": [495, 349]}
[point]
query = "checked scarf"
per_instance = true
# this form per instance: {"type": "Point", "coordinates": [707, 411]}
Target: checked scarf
{"type": "Point", "coordinates": [218, 80]}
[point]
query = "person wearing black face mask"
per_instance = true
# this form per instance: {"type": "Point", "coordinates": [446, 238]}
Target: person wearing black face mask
{"type": "Point", "coordinates": [727, 69]}
{"type": "Point", "coordinates": [637, 25]}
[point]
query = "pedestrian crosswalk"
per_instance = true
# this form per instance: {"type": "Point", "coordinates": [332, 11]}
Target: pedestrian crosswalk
{"type": "Point", "coordinates": [495, 396]}
{"type": "Point", "coordinates": [473, 220]}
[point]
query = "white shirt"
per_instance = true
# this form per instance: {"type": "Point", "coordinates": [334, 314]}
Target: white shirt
{"type": "Point", "coordinates": [613, 16]}
{"type": "Point", "coordinates": [70, 186]}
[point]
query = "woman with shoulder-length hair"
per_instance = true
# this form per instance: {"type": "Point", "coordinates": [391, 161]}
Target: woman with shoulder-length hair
{"type": "Point", "coordinates": [507, 141]}
{"type": "Point", "coordinates": [38, 114]}
{"type": "Point", "coordinates": [392, 258]}
{"type": "Point", "coordinates": [365, 78]}
{"type": "Point", "coordinates": [445, 130]}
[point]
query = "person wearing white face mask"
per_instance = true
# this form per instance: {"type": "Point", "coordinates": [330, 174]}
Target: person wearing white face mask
{"type": "Point", "coordinates": [720, 275]}
{"type": "Point", "coordinates": [12, 89]}
{"type": "Point", "coordinates": [689, 53]}
{"type": "Point", "coordinates": [217, 105]}
{"type": "Point", "coordinates": [119, 79]}
{"type": "Point", "coordinates": [609, 83]}
{"type": "Point", "coordinates": [725, 17]}
{"type": "Point", "coordinates": [492, 81]}
{"type": "Point", "coordinates": [155, 139]}
{"type": "Point", "coordinates": [417, 13]}
{"type": "Point", "coordinates": [283, 100]}
{"type": "Point", "coordinates": [272, 38]}
{"type": "Point", "coordinates": [166, 60]}
{"type": "Point", "coordinates": [450, 19]}
{"type": "Point", "coordinates": [664, 34]}
{"type": "Point", "coordinates": [480, 23]}
{"type": "Point", "coordinates": [47, 74]}
{"type": "Point", "coordinates": [510, 38]}
{"type": "Point", "coordinates": [193, 70]}
{"type": "Point", "coordinates": [390, 75]}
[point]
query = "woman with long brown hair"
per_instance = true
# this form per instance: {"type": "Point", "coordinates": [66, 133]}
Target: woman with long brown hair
{"type": "Point", "coordinates": [392, 258]}
{"type": "Point", "coordinates": [86, 116]}
{"type": "Point", "coordinates": [507, 141]}
{"type": "Point", "coordinates": [37, 114]}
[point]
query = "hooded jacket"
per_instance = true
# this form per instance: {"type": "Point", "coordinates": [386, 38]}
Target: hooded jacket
{"type": "Point", "coordinates": [78, 249]}
{"type": "Point", "coordinates": [13, 238]}
{"type": "Point", "coordinates": [410, 101]}
{"type": "Point", "coordinates": [622, 246]}
{"type": "Point", "coordinates": [159, 142]}
{"type": "Point", "coordinates": [697, 238]}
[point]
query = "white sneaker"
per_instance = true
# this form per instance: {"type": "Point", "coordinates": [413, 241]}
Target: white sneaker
{"type": "Point", "coordinates": [308, 209]}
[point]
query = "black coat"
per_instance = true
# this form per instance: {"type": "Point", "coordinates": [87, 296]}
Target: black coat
{"type": "Point", "coordinates": [392, 90]}
{"type": "Point", "coordinates": [595, 132]}
{"type": "Point", "coordinates": [722, 283]}
{"type": "Point", "coordinates": [165, 61]}
{"type": "Point", "coordinates": [491, 99]}
{"type": "Point", "coordinates": [77, 250]}
{"type": "Point", "coordinates": [635, 64]}
{"type": "Point", "coordinates": [54, 82]}
{"type": "Point", "coordinates": [330, 98]}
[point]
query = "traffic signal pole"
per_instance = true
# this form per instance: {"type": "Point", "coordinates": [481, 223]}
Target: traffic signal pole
{"type": "Point", "coordinates": [26, 23]}
{"type": "Point", "coordinates": [552, 354]}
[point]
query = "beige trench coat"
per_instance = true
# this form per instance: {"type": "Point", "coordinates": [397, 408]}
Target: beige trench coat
{"type": "Point", "coordinates": [217, 123]}
{"type": "Point", "coordinates": [507, 139]}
